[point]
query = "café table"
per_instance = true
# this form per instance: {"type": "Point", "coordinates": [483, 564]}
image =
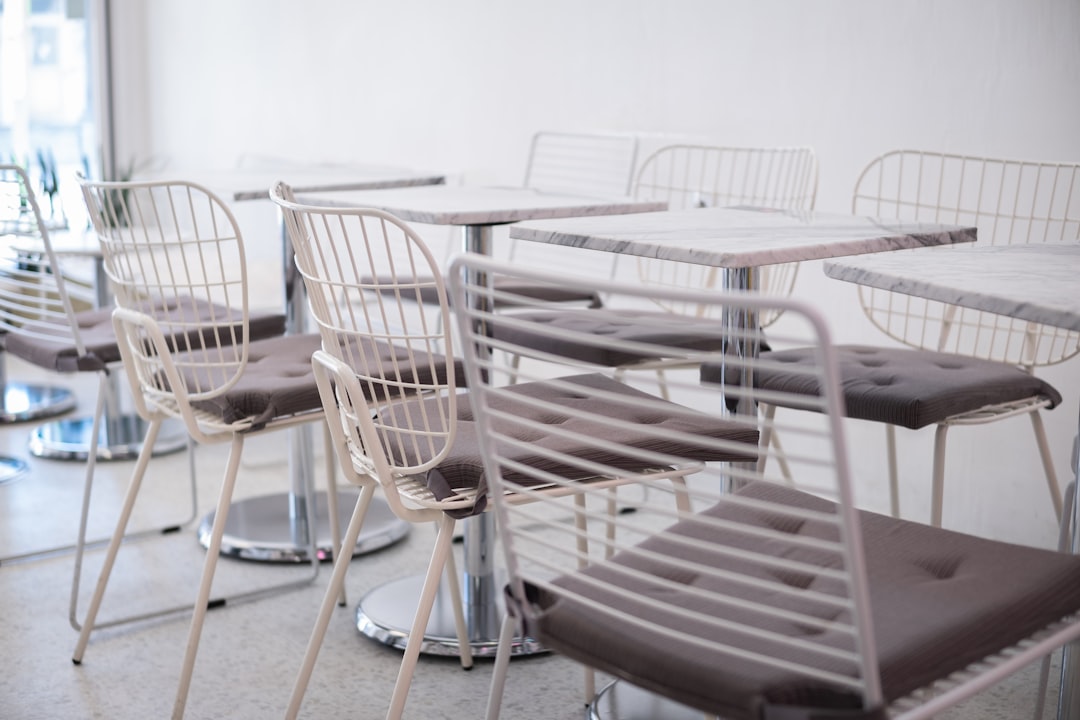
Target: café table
{"type": "Point", "coordinates": [1034, 282]}
{"type": "Point", "coordinates": [738, 241]}
{"type": "Point", "coordinates": [386, 613]}
{"type": "Point", "coordinates": [275, 527]}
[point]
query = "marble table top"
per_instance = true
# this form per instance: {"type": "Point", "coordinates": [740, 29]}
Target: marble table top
{"type": "Point", "coordinates": [478, 205]}
{"type": "Point", "coordinates": [1036, 282]}
{"type": "Point", "coordinates": [739, 237]}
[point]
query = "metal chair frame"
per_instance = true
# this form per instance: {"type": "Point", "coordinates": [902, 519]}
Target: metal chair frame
{"type": "Point", "coordinates": [39, 299]}
{"type": "Point", "coordinates": [379, 444]}
{"type": "Point", "coordinates": [177, 240]}
{"type": "Point", "coordinates": [1009, 201]}
{"type": "Point", "coordinates": [758, 587]}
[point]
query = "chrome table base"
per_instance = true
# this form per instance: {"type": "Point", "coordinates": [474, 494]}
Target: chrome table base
{"type": "Point", "coordinates": [260, 529]}
{"type": "Point", "coordinates": [386, 613]}
{"type": "Point", "coordinates": [120, 438]}
{"type": "Point", "coordinates": [11, 469]}
{"type": "Point", "coordinates": [22, 402]}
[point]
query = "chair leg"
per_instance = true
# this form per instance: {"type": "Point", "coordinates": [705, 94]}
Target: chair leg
{"type": "Point", "coordinates": [82, 544]}
{"type": "Point", "coordinates": [515, 367]}
{"type": "Point", "coordinates": [1047, 461]}
{"type": "Point", "coordinates": [443, 546]}
{"type": "Point", "coordinates": [460, 626]}
{"type": "Point", "coordinates": [894, 475]}
{"type": "Point", "coordinates": [88, 623]}
{"type": "Point", "coordinates": [580, 522]}
{"type": "Point", "coordinates": [938, 486]}
{"type": "Point", "coordinates": [332, 506]}
{"type": "Point", "coordinates": [781, 459]}
{"type": "Point", "coordinates": [661, 382]}
{"type": "Point", "coordinates": [334, 589]}
{"type": "Point", "coordinates": [502, 664]}
{"type": "Point", "coordinates": [202, 598]}
{"type": "Point", "coordinates": [770, 438]}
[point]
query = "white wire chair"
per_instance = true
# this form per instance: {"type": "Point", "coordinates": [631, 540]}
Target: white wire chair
{"type": "Point", "coordinates": [581, 162]}
{"type": "Point", "coordinates": [48, 318]}
{"type": "Point", "coordinates": [1009, 202]}
{"type": "Point", "coordinates": [760, 600]}
{"type": "Point", "coordinates": [175, 258]}
{"type": "Point", "coordinates": [21, 217]}
{"type": "Point", "coordinates": [405, 428]}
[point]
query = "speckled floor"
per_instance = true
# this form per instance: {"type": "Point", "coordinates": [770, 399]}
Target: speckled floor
{"type": "Point", "coordinates": [249, 653]}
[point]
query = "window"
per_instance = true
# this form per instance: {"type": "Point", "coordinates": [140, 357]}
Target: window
{"type": "Point", "coordinates": [47, 119]}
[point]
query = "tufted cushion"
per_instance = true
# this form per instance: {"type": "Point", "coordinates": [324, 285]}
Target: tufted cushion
{"type": "Point", "coordinates": [910, 388]}
{"type": "Point", "coordinates": [424, 290]}
{"type": "Point", "coordinates": [278, 380]}
{"type": "Point", "coordinates": [99, 338]}
{"type": "Point", "coordinates": [940, 600]}
{"type": "Point", "coordinates": [662, 328]}
{"type": "Point", "coordinates": [463, 467]}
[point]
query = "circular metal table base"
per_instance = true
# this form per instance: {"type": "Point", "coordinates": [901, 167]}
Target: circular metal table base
{"type": "Point", "coordinates": [120, 438]}
{"type": "Point", "coordinates": [258, 528]}
{"type": "Point", "coordinates": [11, 469]}
{"type": "Point", "coordinates": [22, 402]}
{"type": "Point", "coordinates": [623, 701]}
{"type": "Point", "coordinates": [386, 613]}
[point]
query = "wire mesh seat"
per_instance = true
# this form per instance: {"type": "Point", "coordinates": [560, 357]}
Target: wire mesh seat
{"type": "Point", "coordinates": [408, 429]}
{"type": "Point", "coordinates": [175, 258]}
{"type": "Point", "coordinates": [754, 599]}
{"type": "Point", "coordinates": [959, 366]}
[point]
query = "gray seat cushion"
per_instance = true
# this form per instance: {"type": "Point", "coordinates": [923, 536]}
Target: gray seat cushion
{"type": "Point", "coordinates": [909, 388]}
{"type": "Point", "coordinates": [99, 338]}
{"type": "Point", "coordinates": [463, 468]}
{"type": "Point", "coordinates": [662, 328]}
{"type": "Point", "coordinates": [278, 380]}
{"type": "Point", "coordinates": [940, 600]}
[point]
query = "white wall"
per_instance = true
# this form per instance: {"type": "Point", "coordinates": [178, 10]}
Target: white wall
{"type": "Point", "coordinates": [460, 86]}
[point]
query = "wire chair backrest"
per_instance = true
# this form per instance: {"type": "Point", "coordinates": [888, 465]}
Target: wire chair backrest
{"type": "Point", "coordinates": [578, 163]}
{"type": "Point", "coordinates": [365, 271]}
{"type": "Point", "coordinates": [1009, 202]}
{"type": "Point", "coordinates": [586, 163]}
{"type": "Point", "coordinates": [38, 295]}
{"type": "Point", "coordinates": [175, 260]}
{"type": "Point", "coordinates": [753, 582]}
{"type": "Point", "coordinates": [690, 176]}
